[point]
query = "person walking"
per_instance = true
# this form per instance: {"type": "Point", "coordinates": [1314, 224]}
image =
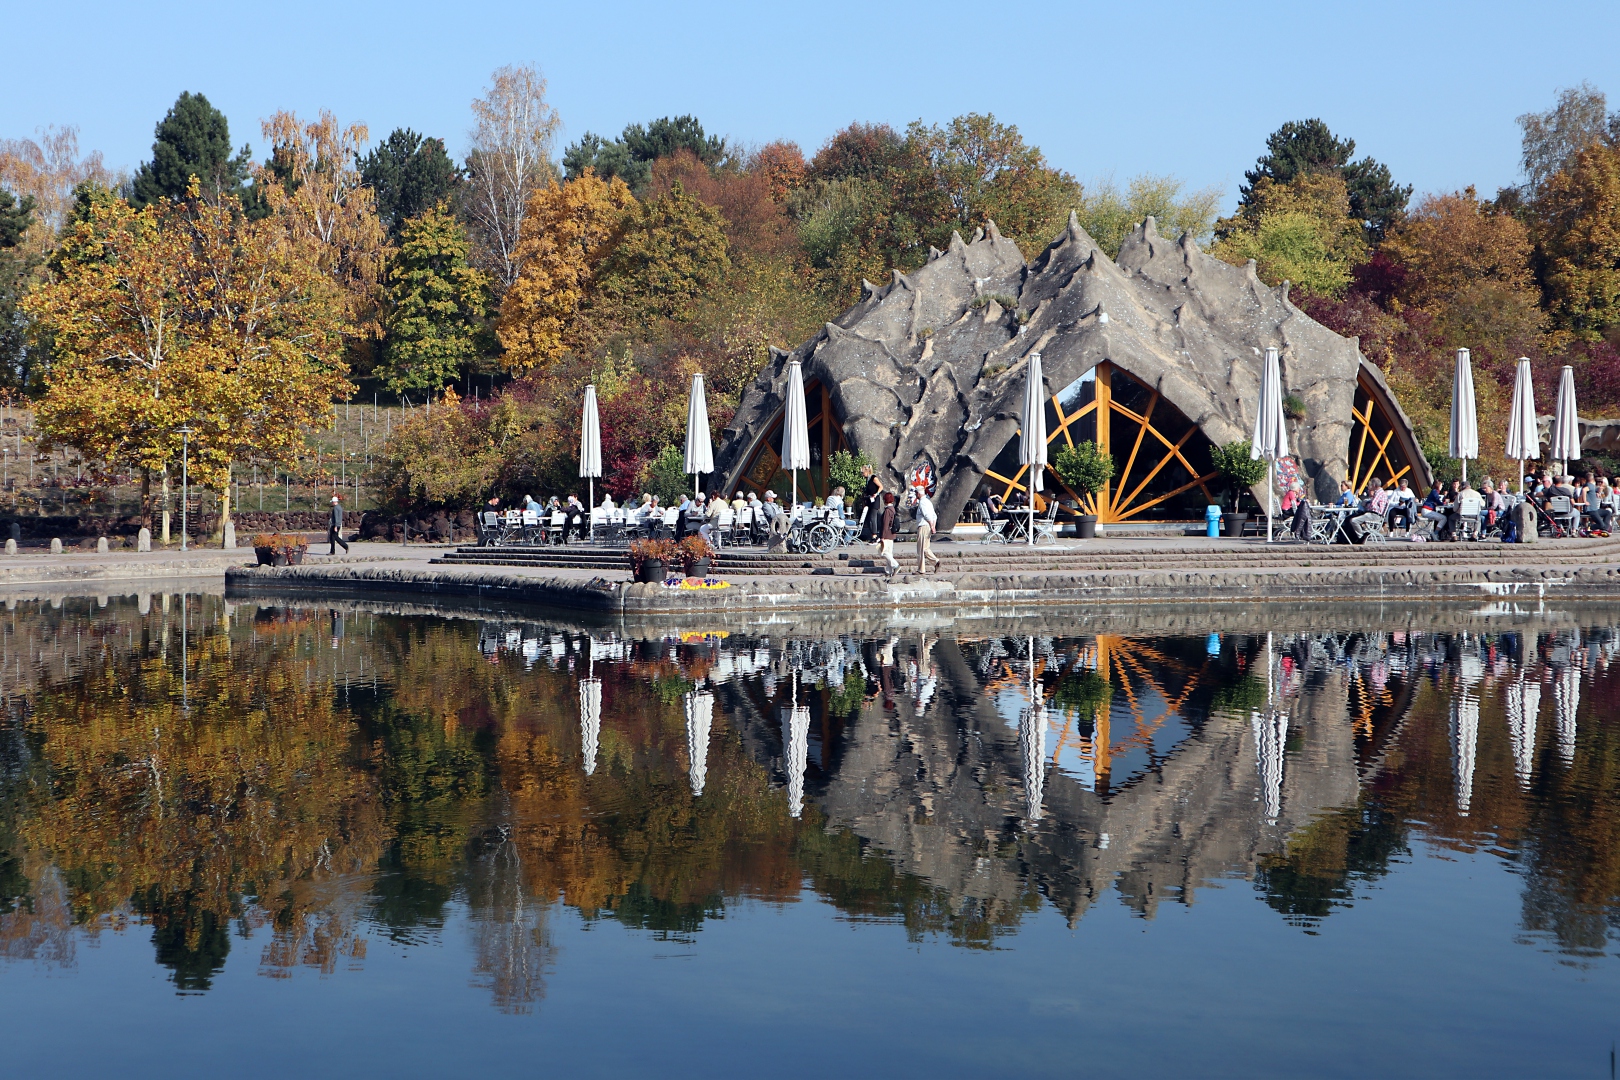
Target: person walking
{"type": "Point", "coordinates": [887, 530]}
{"type": "Point", "coordinates": [334, 527]}
{"type": "Point", "coordinates": [927, 521]}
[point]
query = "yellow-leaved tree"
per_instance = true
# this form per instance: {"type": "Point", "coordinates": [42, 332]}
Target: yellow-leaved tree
{"type": "Point", "coordinates": [188, 315]}
{"type": "Point", "coordinates": [567, 231]}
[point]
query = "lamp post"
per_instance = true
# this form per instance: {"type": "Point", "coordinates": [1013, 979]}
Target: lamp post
{"type": "Point", "coordinates": [185, 482]}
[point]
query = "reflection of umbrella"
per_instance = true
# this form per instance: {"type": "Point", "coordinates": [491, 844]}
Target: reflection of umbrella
{"type": "Point", "coordinates": [1032, 440]}
{"type": "Point", "coordinates": [1270, 744]}
{"type": "Point", "coordinates": [590, 448]}
{"type": "Point", "coordinates": [1564, 445]}
{"type": "Point", "coordinates": [699, 446]}
{"type": "Point", "coordinates": [1270, 440]}
{"type": "Point", "coordinates": [796, 432]}
{"type": "Point", "coordinates": [1523, 704]}
{"type": "Point", "coordinates": [795, 748]}
{"type": "Point", "coordinates": [1464, 420]}
{"type": "Point", "coordinates": [1464, 739]}
{"type": "Point", "coordinates": [590, 719]}
{"type": "Point", "coordinates": [699, 716]}
{"type": "Point", "coordinates": [1032, 744]}
{"type": "Point", "coordinates": [1523, 440]}
{"type": "Point", "coordinates": [1566, 700]}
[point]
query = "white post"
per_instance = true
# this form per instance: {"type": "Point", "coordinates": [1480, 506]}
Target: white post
{"type": "Point", "coordinates": [590, 509]}
{"type": "Point", "coordinates": [1271, 495]}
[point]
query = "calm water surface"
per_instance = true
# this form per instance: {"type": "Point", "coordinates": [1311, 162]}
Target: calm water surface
{"type": "Point", "coordinates": [267, 840]}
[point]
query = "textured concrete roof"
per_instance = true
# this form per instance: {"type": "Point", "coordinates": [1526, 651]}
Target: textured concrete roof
{"type": "Point", "coordinates": [926, 366]}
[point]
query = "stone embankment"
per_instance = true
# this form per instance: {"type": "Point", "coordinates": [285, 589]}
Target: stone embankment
{"type": "Point", "coordinates": [997, 579]}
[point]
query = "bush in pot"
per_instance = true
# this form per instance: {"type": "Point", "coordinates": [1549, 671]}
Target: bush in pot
{"type": "Point", "coordinates": [1085, 468]}
{"type": "Point", "coordinates": [279, 549]}
{"type": "Point", "coordinates": [650, 558]}
{"type": "Point", "coordinates": [696, 555]}
{"type": "Point", "coordinates": [1242, 472]}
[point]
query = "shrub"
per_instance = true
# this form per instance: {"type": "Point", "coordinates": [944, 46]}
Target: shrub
{"type": "Point", "coordinates": [663, 551]}
{"type": "Point", "coordinates": [694, 547]}
{"type": "Point", "coordinates": [1083, 467]}
{"type": "Point", "coordinates": [1241, 471]}
{"type": "Point", "coordinates": [844, 469]}
{"type": "Point", "coordinates": [285, 543]}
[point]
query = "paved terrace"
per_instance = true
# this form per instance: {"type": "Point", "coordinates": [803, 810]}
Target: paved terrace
{"type": "Point", "coordinates": [1110, 571]}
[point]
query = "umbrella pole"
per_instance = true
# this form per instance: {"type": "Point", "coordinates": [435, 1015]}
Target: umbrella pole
{"type": "Point", "coordinates": [1465, 470]}
{"type": "Point", "coordinates": [1271, 494]}
{"type": "Point", "coordinates": [590, 509]}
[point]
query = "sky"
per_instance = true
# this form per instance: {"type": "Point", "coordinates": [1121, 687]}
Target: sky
{"type": "Point", "coordinates": [1105, 89]}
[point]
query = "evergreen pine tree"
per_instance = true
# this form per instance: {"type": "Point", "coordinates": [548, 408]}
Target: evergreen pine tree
{"type": "Point", "coordinates": [192, 140]}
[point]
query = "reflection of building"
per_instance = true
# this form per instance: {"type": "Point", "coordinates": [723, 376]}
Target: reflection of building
{"type": "Point", "coordinates": [1154, 356]}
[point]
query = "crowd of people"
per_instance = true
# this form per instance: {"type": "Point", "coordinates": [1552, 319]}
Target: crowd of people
{"type": "Point", "coordinates": [880, 514]}
{"type": "Point", "coordinates": [1459, 511]}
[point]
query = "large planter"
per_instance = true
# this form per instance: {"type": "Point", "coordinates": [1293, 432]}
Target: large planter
{"type": "Point", "coordinates": [697, 568]}
{"type": "Point", "coordinates": [267, 556]}
{"type": "Point", "coordinates": [295, 558]}
{"type": "Point", "coordinates": [652, 570]}
{"type": "Point", "coordinates": [1085, 526]}
{"type": "Point", "coordinates": [1232, 524]}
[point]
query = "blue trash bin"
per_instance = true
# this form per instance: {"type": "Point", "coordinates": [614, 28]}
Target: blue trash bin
{"type": "Point", "coordinates": [1212, 521]}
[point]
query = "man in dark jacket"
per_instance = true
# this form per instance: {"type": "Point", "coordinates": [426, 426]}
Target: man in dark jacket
{"type": "Point", "coordinates": [334, 528]}
{"type": "Point", "coordinates": [888, 529]}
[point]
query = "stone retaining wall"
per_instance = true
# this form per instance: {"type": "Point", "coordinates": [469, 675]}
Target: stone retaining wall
{"type": "Point", "coordinates": [960, 594]}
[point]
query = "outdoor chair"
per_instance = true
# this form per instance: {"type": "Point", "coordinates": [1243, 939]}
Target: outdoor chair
{"type": "Point", "coordinates": [1562, 511]}
{"type": "Point", "coordinates": [489, 528]}
{"type": "Point", "coordinates": [994, 527]}
{"type": "Point", "coordinates": [532, 532]}
{"type": "Point", "coordinates": [1046, 524]}
{"type": "Point", "coordinates": [742, 526]}
{"type": "Point", "coordinates": [723, 523]}
{"type": "Point", "coordinates": [559, 525]}
{"type": "Point", "coordinates": [672, 517]}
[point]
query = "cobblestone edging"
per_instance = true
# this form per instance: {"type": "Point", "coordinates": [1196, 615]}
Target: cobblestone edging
{"type": "Point", "coordinates": [959, 593]}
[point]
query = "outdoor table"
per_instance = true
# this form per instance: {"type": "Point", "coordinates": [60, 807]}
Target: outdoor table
{"type": "Point", "coordinates": [1340, 517]}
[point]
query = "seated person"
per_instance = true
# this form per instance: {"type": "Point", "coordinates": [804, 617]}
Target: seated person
{"type": "Point", "coordinates": [1403, 506]}
{"type": "Point", "coordinates": [574, 521]}
{"type": "Point", "coordinates": [1347, 496]}
{"type": "Point", "coordinates": [1433, 513]}
{"type": "Point", "coordinates": [1301, 523]}
{"type": "Point", "coordinates": [1495, 506]}
{"type": "Point", "coordinates": [1371, 518]}
{"type": "Point", "coordinates": [1605, 503]}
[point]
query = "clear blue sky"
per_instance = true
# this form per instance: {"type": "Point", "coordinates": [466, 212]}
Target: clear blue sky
{"type": "Point", "coordinates": [1191, 89]}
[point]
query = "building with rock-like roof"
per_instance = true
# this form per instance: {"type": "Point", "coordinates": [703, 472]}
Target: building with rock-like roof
{"type": "Point", "coordinates": [1155, 356]}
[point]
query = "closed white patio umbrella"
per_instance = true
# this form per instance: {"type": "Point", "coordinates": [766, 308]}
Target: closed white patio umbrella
{"type": "Point", "coordinates": [590, 451]}
{"type": "Point", "coordinates": [1564, 445]}
{"type": "Point", "coordinates": [699, 446]}
{"type": "Point", "coordinates": [590, 720]}
{"type": "Point", "coordinates": [1032, 440]}
{"type": "Point", "coordinates": [1523, 439]}
{"type": "Point", "coordinates": [1270, 440]}
{"type": "Point", "coordinates": [1270, 730]}
{"type": "Point", "coordinates": [1464, 731]}
{"type": "Point", "coordinates": [699, 718]}
{"type": "Point", "coordinates": [1566, 704]}
{"type": "Point", "coordinates": [796, 431]}
{"type": "Point", "coordinates": [1464, 419]}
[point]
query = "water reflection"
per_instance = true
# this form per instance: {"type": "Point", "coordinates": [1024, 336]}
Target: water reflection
{"type": "Point", "coordinates": [298, 781]}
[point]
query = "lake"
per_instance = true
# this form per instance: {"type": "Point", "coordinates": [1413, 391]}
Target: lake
{"type": "Point", "coordinates": [269, 838]}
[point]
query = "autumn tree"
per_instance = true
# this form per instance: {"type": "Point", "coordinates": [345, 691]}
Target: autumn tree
{"type": "Point", "coordinates": [670, 252]}
{"type": "Point", "coordinates": [1576, 228]}
{"type": "Point", "coordinates": [434, 303]}
{"type": "Point", "coordinates": [16, 266]}
{"type": "Point", "coordinates": [188, 314]}
{"type": "Point", "coordinates": [1109, 214]}
{"type": "Point", "coordinates": [982, 170]}
{"type": "Point", "coordinates": [1552, 139]}
{"type": "Point", "coordinates": [512, 138]}
{"type": "Point", "coordinates": [1302, 231]}
{"type": "Point", "coordinates": [1301, 147]}
{"type": "Point", "coordinates": [566, 234]}
{"type": "Point", "coordinates": [192, 140]}
{"type": "Point", "coordinates": [410, 175]}
{"type": "Point", "coordinates": [48, 170]}
{"type": "Point", "coordinates": [315, 189]}
{"type": "Point", "coordinates": [1467, 266]}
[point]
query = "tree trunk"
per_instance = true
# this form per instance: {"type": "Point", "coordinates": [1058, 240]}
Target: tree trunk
{"type": "Point", "coordinates": [146, 497]}
{"type": "Point", "coordinates": [226, 530]}
{"type": "Point", "coordinates": [165, 504]}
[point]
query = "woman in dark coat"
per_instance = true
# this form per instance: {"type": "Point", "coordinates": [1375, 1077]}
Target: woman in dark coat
{"type": "Point", "coordinates": [870, 502]}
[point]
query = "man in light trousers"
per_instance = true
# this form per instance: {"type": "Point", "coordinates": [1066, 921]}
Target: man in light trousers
{"type": "Point", "coordinates": [927, 521]}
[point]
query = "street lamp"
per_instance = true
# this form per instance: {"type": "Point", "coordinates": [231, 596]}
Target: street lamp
{"type": "Point", "coordinates": [185, 485]}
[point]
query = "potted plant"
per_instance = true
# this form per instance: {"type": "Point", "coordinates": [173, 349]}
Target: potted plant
{"type": "Point", "coordinates": [1242, 472]}
{"type": "Point", "coordinates": [279, 549]}
{"type": "Point", "coordinates": [1086, 469]}
{"type": "Point", "coordinates": [649, 558]}
{"type": "Point", "coordinates": [696, 554]}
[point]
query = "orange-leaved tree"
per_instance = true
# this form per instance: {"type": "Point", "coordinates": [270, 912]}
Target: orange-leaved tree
{"type": "Point", "coordinates": [188, 314]}
{"type": "Point", "coordinates": [567, 232]}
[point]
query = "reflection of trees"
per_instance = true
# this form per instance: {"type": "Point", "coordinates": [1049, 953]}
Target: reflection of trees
{"type": "Point", "coordinates": [183, 813]}
{"type": "Point", "coordinates": [510, 934]}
